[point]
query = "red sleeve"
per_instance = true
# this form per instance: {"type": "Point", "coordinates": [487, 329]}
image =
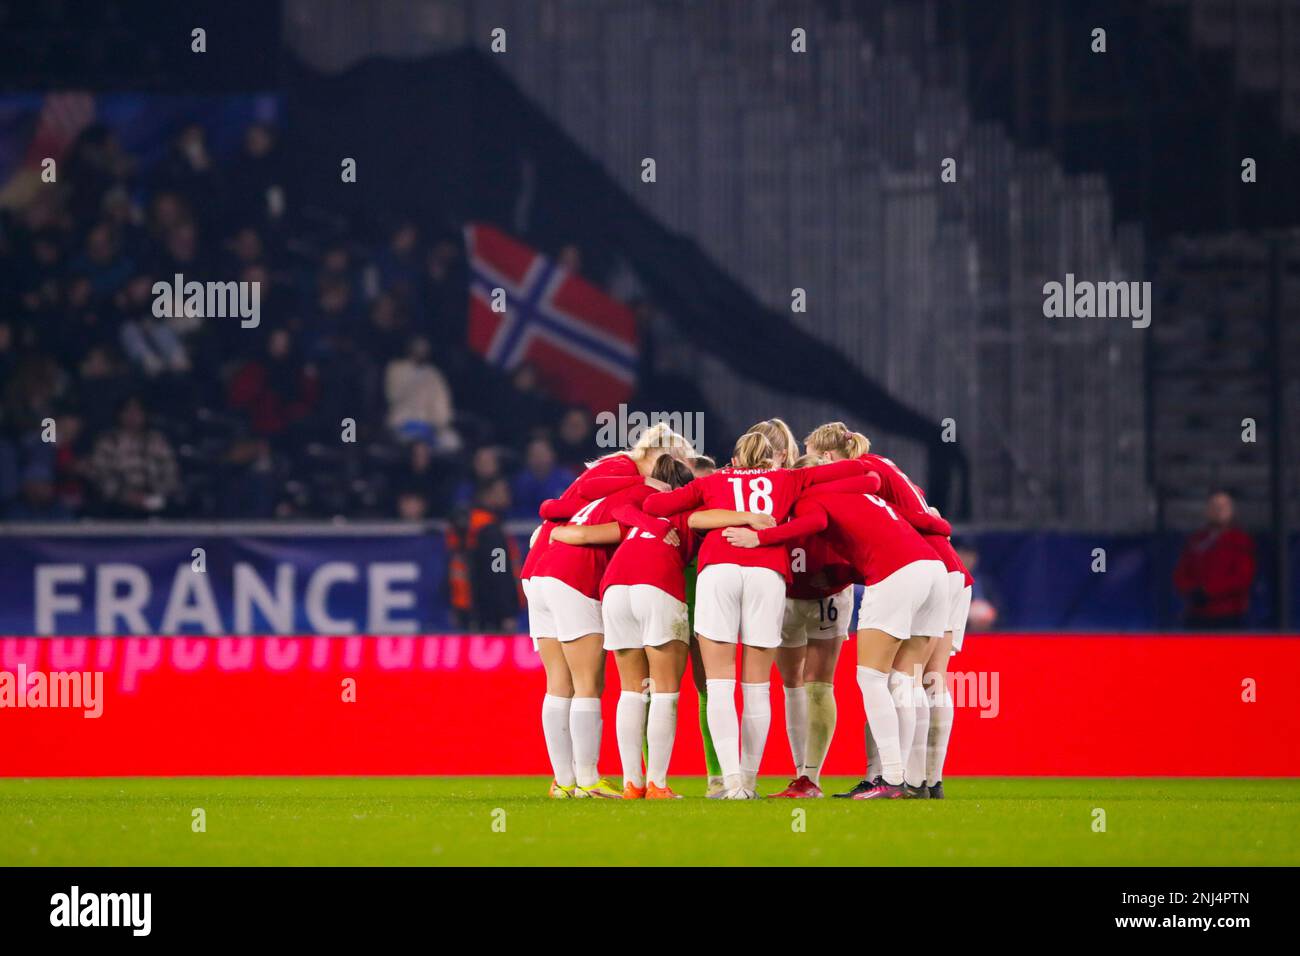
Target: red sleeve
{"type": "Point", "coordinates": [1234, 568]}
{"type": "Point", "coordinates": [690, 539]}
{"type": "Point", "coordinates": [812, 521]}
{"type": "Point", "coordinates": [902, 494]}
{"type": "Point", "coordinates": [598, 487]}
{"type": "Point", "coordinates": [851, 468]}
{"type": "Point", "coordinates": [664, 504]}
{"type": "Point", "coordinates": [928, 523]}
{"type": "Point", "coordinates": [560, 509]}
{"type": "Point", "coordinates": [630, 516]}
{"type": "Point", "coordinates": [867, 484]}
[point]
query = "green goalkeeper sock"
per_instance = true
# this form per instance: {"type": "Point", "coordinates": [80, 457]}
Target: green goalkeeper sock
{"type": "Point", "coordinates": [710, 755]}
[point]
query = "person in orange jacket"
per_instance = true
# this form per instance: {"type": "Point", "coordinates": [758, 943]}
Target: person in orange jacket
{"type": "Point", "coordinates": [483, 562]}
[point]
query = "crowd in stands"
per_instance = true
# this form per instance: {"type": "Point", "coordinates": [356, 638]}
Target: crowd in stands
{"type": "Point", "coordinates": [110, 411]}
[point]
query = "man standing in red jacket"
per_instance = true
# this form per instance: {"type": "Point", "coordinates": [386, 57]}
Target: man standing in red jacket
{"type": "Point", "coordinates": [1216, 570]}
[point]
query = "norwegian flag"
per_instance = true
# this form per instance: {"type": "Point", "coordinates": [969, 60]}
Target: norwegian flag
{"type": "Point", "coordinates": [582, 342]}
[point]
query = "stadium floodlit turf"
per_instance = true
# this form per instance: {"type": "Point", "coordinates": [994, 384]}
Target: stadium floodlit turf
{"type": "Point", "coordinates": [450, 821]}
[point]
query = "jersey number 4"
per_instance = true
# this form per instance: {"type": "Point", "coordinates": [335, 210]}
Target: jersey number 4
{"type": "Point", "coordinates": [877, 500]}
{"type": "Point", "coordinates": [582, 516]}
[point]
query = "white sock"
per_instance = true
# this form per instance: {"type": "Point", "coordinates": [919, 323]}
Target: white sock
{"type": "Point", "coordinates": [754, 725]}
{"type": "Point", "coordinates": [661, 730]}
{"type": "Point", "coordinates": [914, 773]}
{"type": "Point", "coordinates": [882, 717]}
{"type": "Point", "coordinates": [796, 724]}
{"type": "Point", "coordinates": [873, 755]}
{"type": "Point", "coordinates": [941, 714]}
{"type": "Point", "coordinates": [584, 727]}
{"type": "Point", "coordinates": [901, 690]}
{"type": "Point", "coordinates": [821, 728]}
{"type": "Point", "coordinates": [559, 745]}
{"type": "Point", "coordinates": [629, 729]}
{"type": "Point", "coordinates": [724, 727]}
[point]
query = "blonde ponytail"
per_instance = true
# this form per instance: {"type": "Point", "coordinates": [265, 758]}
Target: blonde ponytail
{"type": "Point", "coordinates": [753, 450]}
{"type": "Point", "coordinates": [784, 446]}
{"type": "Point", "coordinates": [658, 437]}
{"type": "Point", "coordinates": [834, 438]}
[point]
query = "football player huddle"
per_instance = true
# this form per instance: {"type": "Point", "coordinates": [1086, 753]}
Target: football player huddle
{"type": "Point", "coordinates": [658, 555]}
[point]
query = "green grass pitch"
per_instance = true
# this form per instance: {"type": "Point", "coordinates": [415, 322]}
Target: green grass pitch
{"type": "Point", "coordinates": [427, 821]}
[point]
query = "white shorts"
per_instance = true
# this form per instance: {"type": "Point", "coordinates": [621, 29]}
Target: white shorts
{"type": "Point", "coordinates": [732, 600]}
{"type": "Point", "coordinates": [959, 608]}
{"type": "Point", "coordinates": [642, 615]}
{"type": "Point", "coordinates": [559, 611]}
{"type": "Point", "coordinates": [913, 601]}
{"type": "Point", "coordinates": [819, 620]}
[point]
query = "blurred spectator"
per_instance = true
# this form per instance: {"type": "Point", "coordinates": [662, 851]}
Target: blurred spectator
{"type": "Point", "coordinates": [390, 329]}
{"type": "Point", "coordinates": [574, 443]}
{"type": "Point", "coordinates": [190, 168]}
{"type": "Point", "coordinates": [482, 563]}
{"type": "Point", "coordinates": [984, 600]}
{"type": "Point", "coordinates": [167, 211]}
{"type": "Point", "coordinates": [444, 294]}
{"type": "Point", "coordinates": [541, 477]}
{"type": "Point", "coordinates": [38, 500]}
{"type": "Point", "coordinates": [149, 342]}
{"type": "Point", "coordinates": [102, 262]}
{"type": "Point", "coordinates": [412, 505]}
{"type": "Point", "coordinates": [69, 462]}
{"type": "Point", "coordinates": [399, 264]}
{"type": "Point", "coordinates": [276, 391]}
{"type": "Point", "coordinates": [419, 400]}
{"type": "Point", "coordinates": [484, 466]}
{"type": "Point", "coordinates": [256, 193]}
{"type": "Point", "coordinates": [33, 391]}
{"type": "Point", "coordinates": [78, 335]}
{"type": "Point", "coordinates": [524, 407]}
{"type": "Point", "coordinates": [96, 164]}
{"type": "Point", "coordinates": [1216, 570]}
{"type": "Point", "coordinates": [133, 466]}
{"type": "Point", "coordinates": [103, 384]}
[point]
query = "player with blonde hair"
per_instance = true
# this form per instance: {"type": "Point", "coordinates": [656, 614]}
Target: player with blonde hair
{"type": "Point", "coordinates": [564, 616]}
{"type": "Point", "coordinates": [931, 706]}
{"type": "Point", "coordinates": [904, 608]}
{"type": "Point", "coordinates": [779, 435]}
{"type": "Point", "coordinates": [740, 596]}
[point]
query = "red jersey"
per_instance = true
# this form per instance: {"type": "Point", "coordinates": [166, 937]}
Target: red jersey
{"type": "Point", "coordinates": [643, 558]}
{"type": "Point", "coordinates": [909, 503]}
{"type": "Point", "coordinates": [817, 570]}
{"type": "Point", "coordinates": [581, 566]}
{"type": "Point", "coordinates": [770, 491]}
{"type": "Point", "coordinates": [864, 528]}
{"type": "Point", "coordinates": [603, 478]}
{"type": "Point", "coordinates": [1218, 567]}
